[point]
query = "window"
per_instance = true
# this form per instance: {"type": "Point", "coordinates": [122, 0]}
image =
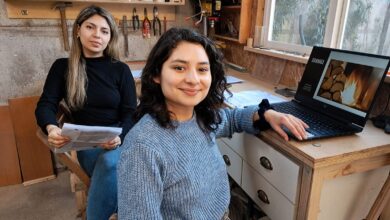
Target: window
{"type": "Point", "coordinates": [367, 27]}
{"type": "Point", "coordinates": [297, 25]}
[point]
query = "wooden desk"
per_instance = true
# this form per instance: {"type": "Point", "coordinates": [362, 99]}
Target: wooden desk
{"type": "Point", "coordinates": [329, 174]}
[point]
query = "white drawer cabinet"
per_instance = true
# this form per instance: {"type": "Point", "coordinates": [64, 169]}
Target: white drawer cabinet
{"type": "Point", "coordinates": [236, 143]}
{"type": "Point", "coordinates": [232, 160]}
{"type": "Point", "coordinates": [280, 171]}
{"type": "Point", "coordinates": [269, 199]}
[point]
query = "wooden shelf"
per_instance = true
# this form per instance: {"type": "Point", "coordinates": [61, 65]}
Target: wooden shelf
{"type": "Point", "coordinates": [143, 2]}
{"type": "Point", "coordinates": [226, 38]}
{"type": "Point", "coordinates": [231, 7]}
{"type": "Point", "coordinates": [40, 9]}
{"type": "Point", "coordinates": [278, 54]}
{"type": "Point", "coordinates": [240, 17]}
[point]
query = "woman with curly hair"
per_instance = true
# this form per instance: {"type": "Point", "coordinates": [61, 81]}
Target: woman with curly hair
{"type": "Point", "coordinates": [170, 166]}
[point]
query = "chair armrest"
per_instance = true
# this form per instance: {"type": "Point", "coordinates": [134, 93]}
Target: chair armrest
{"type": "Point", "coordinates": [65, 158]}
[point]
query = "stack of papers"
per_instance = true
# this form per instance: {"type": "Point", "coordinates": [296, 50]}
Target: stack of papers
{"type": "Point", "coordinates": [247, 98]}
{"type": "Point", "coordinates": [86, 137]}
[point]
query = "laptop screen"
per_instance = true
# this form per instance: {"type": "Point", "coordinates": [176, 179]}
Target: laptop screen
{"type": "Point", "coordinates": [342, 83]}
{"type": "Point", "coordinates": [350, 81]}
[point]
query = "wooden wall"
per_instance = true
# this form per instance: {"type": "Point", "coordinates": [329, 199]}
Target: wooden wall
{"type": "Point", "coordinates": [34, 157]}
{"type": "Point", "coordinates": [23, 158]}
{"type": "Point", "coordinates": [284, 73]}
{"type": "Point", "coordinates": [270, 69]}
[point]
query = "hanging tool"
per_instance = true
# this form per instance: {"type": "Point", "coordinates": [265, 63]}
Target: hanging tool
{"type": "Point", "coordinates": [135, 20]}
{"type": "Point", "coordinates": [61, 7]}
{"type": "Point", "coordinates": [146, 25]}
{"type": "Point", "coordinates": [156, 22]}
{"type": "Point", "coordinates": [125, 32]}
{"type": "Point", "coordinates": [165, 24]}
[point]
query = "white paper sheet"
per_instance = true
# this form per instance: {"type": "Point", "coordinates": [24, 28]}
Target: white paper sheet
{"type": "Point", "coordinates": [86, 137]}
{"type": "Point", "coordinates": [136, 73]}
{"type": "Point", "coordinates": [250, 97]}
{"type": "Point", "coordinates": [232, 80]}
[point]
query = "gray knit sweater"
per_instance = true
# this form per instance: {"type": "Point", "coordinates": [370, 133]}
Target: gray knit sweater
{"type": "Point", "coordinates": [176, 173]}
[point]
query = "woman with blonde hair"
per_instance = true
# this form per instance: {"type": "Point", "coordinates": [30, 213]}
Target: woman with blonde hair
{"type": "Point", "coordinates": [99, 90]}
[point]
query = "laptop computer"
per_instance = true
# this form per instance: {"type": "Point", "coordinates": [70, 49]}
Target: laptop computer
{"type": "Point", "coordinates": [336, 92]}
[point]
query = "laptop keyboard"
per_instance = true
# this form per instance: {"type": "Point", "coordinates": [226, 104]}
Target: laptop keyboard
{"type": "Point", "coordinates": [319, 125]}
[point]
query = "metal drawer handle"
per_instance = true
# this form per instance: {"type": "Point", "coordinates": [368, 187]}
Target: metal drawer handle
{"type": "Point", "coordinates": [262, 196]}
{"type": "Point", "coordinates": [266, 163]}
{"type": "Point", "coordinates": [226, 159]}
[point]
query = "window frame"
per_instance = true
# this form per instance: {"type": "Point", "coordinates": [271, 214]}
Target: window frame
{"type": "Point", "coordinates": [334, 29]}
{"type": "Point", "coordinates": [268, 19]}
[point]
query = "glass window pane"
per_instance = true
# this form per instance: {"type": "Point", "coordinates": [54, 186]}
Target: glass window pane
{"type": "Point", "coordinates": [367, 27]}
{"type": "Point", "coordinates": [300, 22]}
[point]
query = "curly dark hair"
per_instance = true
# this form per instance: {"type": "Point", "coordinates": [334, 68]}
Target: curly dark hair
{"type": "Point", "coordinates": [152, 100]}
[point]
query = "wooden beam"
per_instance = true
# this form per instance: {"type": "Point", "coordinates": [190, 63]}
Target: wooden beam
{"type": "Point", "coordinates": [44, 10]}
{"type": "Point", "coordinates": [260, 12]}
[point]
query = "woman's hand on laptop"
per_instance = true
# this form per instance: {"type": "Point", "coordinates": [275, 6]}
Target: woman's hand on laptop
{"type": "Point", "coordinates": [295, 125]}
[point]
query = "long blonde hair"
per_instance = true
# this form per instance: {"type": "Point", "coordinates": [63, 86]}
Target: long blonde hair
{"type": "Point", "coordinates": [77, 80]}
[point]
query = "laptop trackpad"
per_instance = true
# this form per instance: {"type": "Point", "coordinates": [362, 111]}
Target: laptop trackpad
{"type": "Point", "coordinates": [308, 134]}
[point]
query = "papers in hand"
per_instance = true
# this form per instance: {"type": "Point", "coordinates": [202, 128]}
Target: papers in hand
{"type": "Point", "coordinates": [247, 98]}
{"type": "Point", "coordinates": [86, 137]}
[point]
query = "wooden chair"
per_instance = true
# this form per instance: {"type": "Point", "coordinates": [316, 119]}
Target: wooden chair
{"type": "Point", "coordinates": [79, 180]}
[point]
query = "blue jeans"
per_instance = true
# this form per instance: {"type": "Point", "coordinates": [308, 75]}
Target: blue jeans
{"type": "Point", "coordinates": [100, 165]}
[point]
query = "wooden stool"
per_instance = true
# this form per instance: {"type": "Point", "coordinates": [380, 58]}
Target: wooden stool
{"type": "Point", "coordinates": [79, 180]}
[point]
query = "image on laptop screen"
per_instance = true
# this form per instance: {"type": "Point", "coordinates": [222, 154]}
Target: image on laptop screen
{"type": "Point", "coordinates": [350, 81]}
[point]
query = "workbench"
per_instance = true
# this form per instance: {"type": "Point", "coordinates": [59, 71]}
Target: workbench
{"type": "Point", "coordinates": [332, 178]}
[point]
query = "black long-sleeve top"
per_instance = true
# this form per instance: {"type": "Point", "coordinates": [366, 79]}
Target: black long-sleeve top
{"type": "Point", "coordinates": [111, 97]}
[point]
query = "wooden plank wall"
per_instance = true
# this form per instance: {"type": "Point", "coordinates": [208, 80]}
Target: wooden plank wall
{"type": "Point", "coordinates": [35, 158]}
{"type": "Point", "coordinates": [9, 160]}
